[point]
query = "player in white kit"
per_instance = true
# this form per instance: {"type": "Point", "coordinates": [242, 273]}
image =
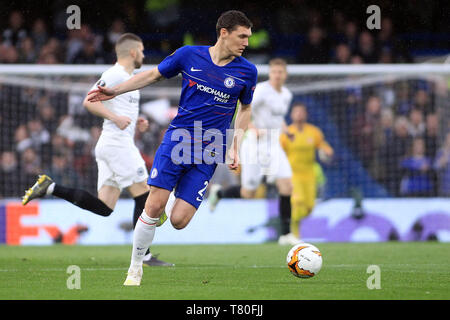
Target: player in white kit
{"type": "Point", "coordinates": [120, 164]}
{"type": "Point", "coordinates": [261, 152]}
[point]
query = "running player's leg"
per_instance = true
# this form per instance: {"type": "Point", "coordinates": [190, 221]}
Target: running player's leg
{"type": "Point", "coordinates": [283, 172]}
{"type": "Point", "coordinates": [81, 198]}
{"type": "Point", "coordinates": [140, 191]}
{"type": "Point", "coordinates": [144, 232]}
{"type": "Point", "coordinates": [305, 207]}
{"type": "Point", "coordinates": [284, 186]}
{"type": "Point", "coordinates": [163, 179]}
{"type": "Point", "coordinates": [190, 193]}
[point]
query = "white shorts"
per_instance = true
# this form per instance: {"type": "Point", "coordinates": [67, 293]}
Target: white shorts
{"type": "Point", "coordinates": [262, 157]}
{"type": "Point", "coordinates": [119, 166]}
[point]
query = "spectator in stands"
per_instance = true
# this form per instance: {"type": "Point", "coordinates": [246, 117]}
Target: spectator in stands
{"type": "Point", "coordinates": [390, 45]}
{"type": "Point", "coordinates": [9, 175]}
{"type": "Point", "coordinates": [258, 49]}
{"type": "Point", "coordinates": [403, 104]}
{"type": "Point", "coordinates": [52, 50]}
{"type": "Point", "coordinates": [339, 22]}
{"type": "Point", "coordinates": [88, 54]}
{"type": "Point", "coordinates": [62, 171]}
{"type": "Point", "coordinates": [386, 56]}
{"type": "Point", "coordinates": [47, 114]}
{"type": "Point", "coordinates": [39, 34]}
{"type": "Point", "coordinates": [30, 165]}
{"type": "Point", "coordinates": [75, 41]}
{"type": "Point", "coordinates": [316, 49]}
{"type": "Point", "coordinates": [38, 134]}
{"type": "Point", "coordinates": [59, 144]}
{"type": "Point", "coordinates": [112, 35]}
{"type": "Point", "coordinates": [8, 54]}
{"type": "Point", "coordinates": [392, 153]}
{"type": "Point", "coordinates": [442, 165]}
{"type": "Point", "coordinates": [431, 144]}
{"type": "Point", "coordinates": [355, 59]}
{"type": "Point", "coordinates": [387, 125]}
{"type": "Point", "coordinates": [368, 134]}
{"type": "Point", "coordinates": [162, 15]}
{"type": "Point", "coordinates": [416, 180]}
{"type": "Point", "coordinates": [342, 54]}
{"type": "Point", "coordinates": [351, 35]}
{"type": "Point", "coordinates": [27, 51]}
{"type": "Point", "coordinates": [15, 32]}
{"type": "Point", "coordinates": [22, 139]}
{"type": "Point", "coordinates": [416, 123]}
{"type": "Point", "coordinates": [431, 135]}
{"type": "Point", "coordinates": [367, 48]}
{"type": "Point", "coordinates": [422, 102]}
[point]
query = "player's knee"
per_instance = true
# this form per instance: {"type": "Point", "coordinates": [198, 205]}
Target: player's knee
{"type": "Point", "coordinates": [247, 194]}
{"type": "Point", "coordinates": [154, 209]}
{"type": "Point", "coordinates": [285, 187]}
{"type": "Point", "coordinates": [178, 223]}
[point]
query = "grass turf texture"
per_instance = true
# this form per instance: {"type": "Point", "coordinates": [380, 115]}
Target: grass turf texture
{"type": "Point", "coordinates": [231, 272]}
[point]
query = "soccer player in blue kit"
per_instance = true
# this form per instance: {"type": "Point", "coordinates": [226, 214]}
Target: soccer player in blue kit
{"type": "Point", "coordinates": [215, 78]}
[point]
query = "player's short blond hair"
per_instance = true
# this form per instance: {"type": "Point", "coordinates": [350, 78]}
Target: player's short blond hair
{"type": "Point", "coordinates": [277, 62]}
{"type": "Point", "coordinates": [126, 42]}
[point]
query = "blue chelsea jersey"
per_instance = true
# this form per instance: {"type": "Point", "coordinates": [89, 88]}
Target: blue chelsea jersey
{"type": "Point", "coordinates": [209, 92]}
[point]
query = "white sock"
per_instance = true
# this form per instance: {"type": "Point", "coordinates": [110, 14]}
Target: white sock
{"type": "Point", "coordinates": [144, 232]}
{"type": "Point", "coordinates": [50, 189]}
{"type": "Point", "coordinates": [170, 203]}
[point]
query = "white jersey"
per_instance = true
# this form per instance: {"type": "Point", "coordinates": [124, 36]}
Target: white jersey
{"type": "Point", "coordinates": [264, 156]}
{"type": "Point", "coordinates": [126, 104]}
{"type": "Point", "coordinates": [270, 106]}
{"type": "Point", "coordinates": [119, 162]}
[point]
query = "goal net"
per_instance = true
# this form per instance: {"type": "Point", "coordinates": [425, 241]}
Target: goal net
{"type": "Point", "coordinates": [388, 124]}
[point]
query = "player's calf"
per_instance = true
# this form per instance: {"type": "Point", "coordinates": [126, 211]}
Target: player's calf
{"type": "Point", "coordinates": [182, 214]}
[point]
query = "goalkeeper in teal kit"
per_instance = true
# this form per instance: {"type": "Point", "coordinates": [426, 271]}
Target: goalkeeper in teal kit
{"type": "Point", "coordinates": [214, 79]}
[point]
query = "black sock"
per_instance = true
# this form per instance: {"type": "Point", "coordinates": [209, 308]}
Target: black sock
{"type": "Point", "coordinates": [82, 199]}
{"type": "Point", "coordinates": [230, 192]}
{"type": "Point", "coordinates": [285, 214]}
{"type": "Point", "coordinates": [139, 204]}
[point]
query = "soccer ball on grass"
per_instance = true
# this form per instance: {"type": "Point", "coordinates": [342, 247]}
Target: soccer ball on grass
{"type": "Point", "coordinates": [304, 260]}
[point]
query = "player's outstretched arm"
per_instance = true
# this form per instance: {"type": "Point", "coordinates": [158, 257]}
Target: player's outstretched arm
{"type": "Point", "coordinates": [136, 82]}
{"type": "Point", "coordinates": [241, 123]}
{"type": "Point", "coordinates": [98, 109]}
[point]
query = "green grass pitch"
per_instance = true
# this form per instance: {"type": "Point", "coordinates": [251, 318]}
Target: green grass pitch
{"type": "Point", "coordinates": [228, 272]}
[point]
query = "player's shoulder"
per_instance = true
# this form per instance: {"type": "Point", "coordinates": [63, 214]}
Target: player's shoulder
{"type": "Point", "coordinates": [187, 49]}
{"type": "Point", "coordinates": [115, 71]}
{"type": "Point", "coordinates": [287, 91]}
{"type": "Point", "coordinates": [263, 84]}
{"type": "Point", "coordinates": [312, 128]}
{"type": "Point", "coordinates": [247, 65]}
{"type": "Point", "coordinates": [291, 127]}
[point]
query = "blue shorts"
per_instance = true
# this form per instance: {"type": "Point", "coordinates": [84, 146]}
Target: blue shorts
{"type": "Point", "coordinates": [190, 180]}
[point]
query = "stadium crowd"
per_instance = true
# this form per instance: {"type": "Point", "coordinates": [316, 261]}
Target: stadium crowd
{"type": "Point", "coordinates": [340, 40]}
{"type": "Point", "coordinates": [395, 132]}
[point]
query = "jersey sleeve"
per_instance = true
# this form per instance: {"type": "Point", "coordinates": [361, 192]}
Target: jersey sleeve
{"type": "Point", "coordinates": [108, 79]}
{"type": "Point", "coordinates": [172, 64]}
{"type": "Point", "coordinates": [250, 85]}
{"type": "Point", "coordinates": [258, 96]}
{"type": "Point", "coordinates": [321, 143]}
{"type": "Point", "coordinates": [284, 142]}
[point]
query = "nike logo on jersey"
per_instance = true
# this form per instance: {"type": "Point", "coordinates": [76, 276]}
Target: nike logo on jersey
{"type": "Point", "coordinates": [193, 69]}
